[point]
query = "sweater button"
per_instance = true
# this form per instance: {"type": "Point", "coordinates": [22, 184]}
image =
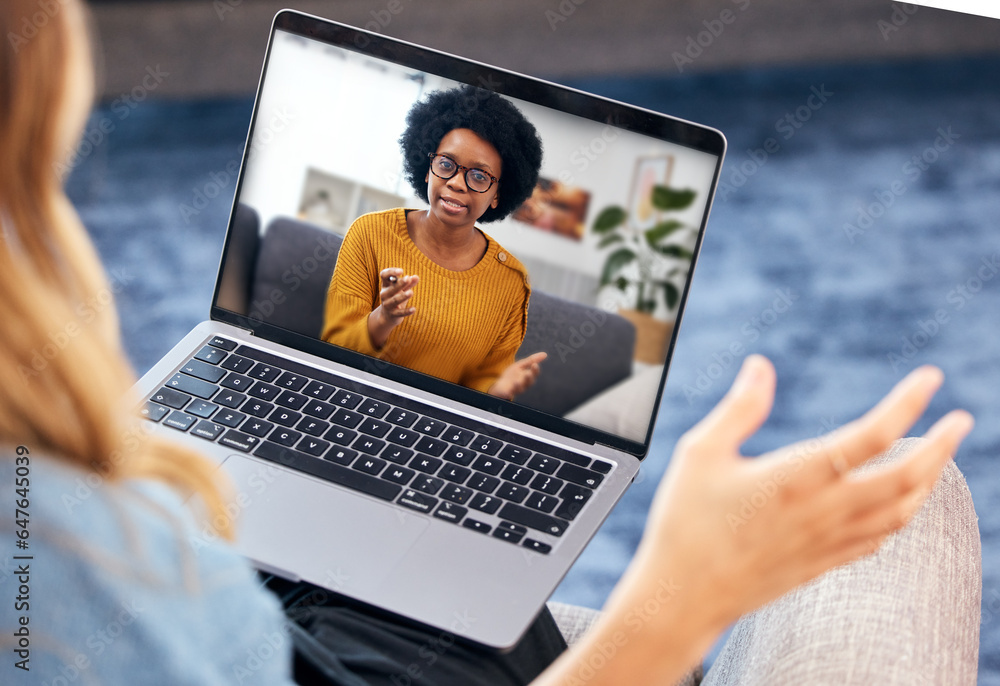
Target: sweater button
{"type": "Point", "coordinates": [502, 256]}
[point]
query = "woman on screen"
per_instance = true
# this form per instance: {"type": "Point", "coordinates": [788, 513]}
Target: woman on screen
{"type": "Point", "coordinates": [427, 289]}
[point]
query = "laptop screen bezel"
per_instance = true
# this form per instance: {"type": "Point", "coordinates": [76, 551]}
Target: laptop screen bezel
{"type": "Point", "coordinates": [554, 96]}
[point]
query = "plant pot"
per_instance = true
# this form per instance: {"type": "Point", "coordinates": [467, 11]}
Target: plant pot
{"type": "Point", "coordinates": [652, 336]}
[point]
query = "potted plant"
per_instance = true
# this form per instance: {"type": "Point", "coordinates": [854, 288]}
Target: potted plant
{"type": "Point", "coordinates": [648, 267]}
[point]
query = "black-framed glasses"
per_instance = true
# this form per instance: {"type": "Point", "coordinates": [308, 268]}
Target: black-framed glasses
{"type": "Point", "coordinates": [476, 180]}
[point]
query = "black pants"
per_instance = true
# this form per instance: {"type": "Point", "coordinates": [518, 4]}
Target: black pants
{"type": "Point", "coordinates": [339, 644]}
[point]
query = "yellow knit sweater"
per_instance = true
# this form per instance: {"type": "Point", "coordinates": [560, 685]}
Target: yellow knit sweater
{"type": "Point", "coordinates": [467, 325]}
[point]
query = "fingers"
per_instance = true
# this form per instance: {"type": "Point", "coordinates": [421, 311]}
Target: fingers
{"type": "Point", "coordinates": [743, 409]}
{"type": "Point", "coordinates": [397, 289]}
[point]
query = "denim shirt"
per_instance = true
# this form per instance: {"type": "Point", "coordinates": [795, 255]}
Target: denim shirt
{"type": "Point", "coordinates": [117, 584]}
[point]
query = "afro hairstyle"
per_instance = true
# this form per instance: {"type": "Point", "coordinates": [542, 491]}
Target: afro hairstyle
{"type": "Point", "coordinates": [492, 118]}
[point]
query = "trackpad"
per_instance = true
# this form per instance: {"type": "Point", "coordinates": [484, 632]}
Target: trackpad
{"type": "Point", "coordinates": [316, 531]}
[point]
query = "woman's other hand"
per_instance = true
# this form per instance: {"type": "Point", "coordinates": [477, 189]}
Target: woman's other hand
{"type": "Point", "coordinates": [394, 297]}
{"type": "Point", "coordinates": [518, 377]}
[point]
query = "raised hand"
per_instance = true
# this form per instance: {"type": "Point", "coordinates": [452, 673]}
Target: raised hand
{"type": "Point", "coordinates": [518, 377]}
{"type": "Point", "coordinates": [394, 298]}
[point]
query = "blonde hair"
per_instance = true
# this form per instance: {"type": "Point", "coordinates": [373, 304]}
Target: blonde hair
{"type": "Point", "coordinates": [64, 380]}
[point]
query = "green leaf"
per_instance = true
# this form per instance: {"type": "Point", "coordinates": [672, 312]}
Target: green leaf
{"type": "Point", "coordinates": [671, 293]}
{"type": "Point", "coordinates": [661, 231]}
{"type": "Point", "coordinates": [609, 239]}
{"type": "Point", "coordinates": [668, 199]}
{"type": "Point", "coordinates": [616, 260]}
{"type": "Point", "coordinates": [674, 251]}
{"type": "Point", "coordinates": [609, 218]}
{"type": "Point", "coordinates": [621, 283]}
{"type": "Point", "coordinates": [647, 306]}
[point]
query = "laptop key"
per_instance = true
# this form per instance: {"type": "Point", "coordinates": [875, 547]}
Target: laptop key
{"type": "Point", "coordinates": [318, 390]}
{"type": "Point", "coordinates": [346, 418]}
{"type": "Point", "coordinates": [264, 391]}
{"type": "Point", "coordinates": [514, 454]}
{"type": "Point", "coordinates": [450, 512]}
{"type": "Point", "coordinates": [519, 475]}
{"type": "Point", "coordinates": [431, 446]}
{"type": "Point", "coordinates": [397, 454]}
{"type": "Point", "coordinates": [541, 502]}
{"type": "Point", "coordinates": [207, 430]}
{"type": "Point", "coordinates": [374, 427]}
{"type": "Point", "coordinates": [367, 444]}
{"type": "Point", "coordinates": [403, 437]}
{"type": "Point", "coordinates": [256, 427]}
{"type": "Point", "coordinates": [171, 398]}
{"type": "Point", "coordinates": [237, 382]}
{"type": "Point", "coordinates": [210, 355]}
{"type": "Point", "coordinates": [238, 364]}
{"type": "Point", "coordinates": [476, 525]}
{"type": "Point", "coordinates": [181, 421]}
{"type": "Point", "coordinates": [324, 469]}
{"type": "Point", "coordinates": [239, 440]}
{"type": "Point", "coordinates": [153, 412]}
{"type": "Point", "coordinates": [456, 494]}
{"type": "Point", "coordinates": [284, 417]}
{"type": "Point", "coordinates": [485, 503]}
{"type": "Point", "coordinates": [506, 535]}
{"type": "Point", "coordinates": [431, 427]}
{"type": "Point", "coordinates": [369, 465]}
{"type": "Point", "coordinates": [346, 399]}
{"type": "Point", "coordinates": [573, 499]}
{"type": "Point", "coordinates": [293, 401]}
{"type": "Point", "coordinates": [537, 546]}
{"type": "Point", "coordinates": [340, 435]}
{"type": "Point", "coordinates": [601, 466]}
{"type": "Point", "coordinates": [398, 475]}
{"type": "Point", "coordinates": [483, 482]}
{"type": "Point", "coordinates": [543, 463]}
{"type": "Point", "coordinates": [425, 464]}
{"type": "Point", "coordinates": [533, 519]}
{"type": "Point", "coordinates": [462, 456]}
{"type": "Point", "coordinates": [344, 456]}
{"type": "Point", "coordinates": [230, 399]}
{"type": "Point", "coordinates": [455, 474]}
{"type": "Point", "coordinates": [189, 384]}
{"type": "Point", "coordinates": [580, 475]}
{"type": "Point", "coordinates": [258, 408]}
{"type": "Point", "coordinates": [512, 527]}
{"type": "Point", "coordinates": [285, 437]}
{"type": "Point", "coordinates": [319, 409]}
{"type": "Point", "coordinates": [204, 371]}
{"type": "Point", "coordinates": [224, 343]}
{"type": "Point", "coordinates": [264, 372]}
{"type": "Point", "coordinates": [313, 446]}
{"type": "Point", "coordinates": [374, 408]}
{"type": "Point", "coordinates": [201, 408]}
{"type": "Point", "coordinates": [458, 436]}
{"type": "Point", "coordinates": [417, 501]}
{"type": "Point", "coordinates": [512, 492]}
{"type": "Point", "coordinates": [230, 418]}
{"type": "Point", "coordinates": [547, 484]}
{"type": "Point", "coordinates": [485, 444]}
{"type": "Point", "coordinates": [427, 484]}
{"type": "Point", "coordinates": [489, 465]}
{"type": "Point", "coordinates": [401, 417]}
{"type": "Point", "coordinates": [311, 426]}
{"type": "Point", "coordinates": [291, 382]}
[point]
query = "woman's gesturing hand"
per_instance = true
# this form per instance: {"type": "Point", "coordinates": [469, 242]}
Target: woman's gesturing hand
{"type": "Point", "coordinates": [394, 298]}
{"type": "Point", "coordinates": [518, 377]}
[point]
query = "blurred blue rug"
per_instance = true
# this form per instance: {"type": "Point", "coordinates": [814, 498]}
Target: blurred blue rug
{"type": "Point", "coordinates": [866, 195]}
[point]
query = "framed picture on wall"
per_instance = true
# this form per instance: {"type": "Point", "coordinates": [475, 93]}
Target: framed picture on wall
{"type": "Point", "coordinates": [649, 172]}
{"type": "Point", "coordinates": [556, 207]}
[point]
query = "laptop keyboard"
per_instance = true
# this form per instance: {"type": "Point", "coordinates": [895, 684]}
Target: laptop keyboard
{"type": "Point", "coordinates": [422, 458]}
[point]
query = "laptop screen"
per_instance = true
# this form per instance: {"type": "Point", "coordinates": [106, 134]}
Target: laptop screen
{"type": "Point", "coordinates": [367, 163]}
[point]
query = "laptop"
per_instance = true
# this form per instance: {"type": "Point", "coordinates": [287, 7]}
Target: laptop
{"type": "Point", "coordinates": [407, 493]}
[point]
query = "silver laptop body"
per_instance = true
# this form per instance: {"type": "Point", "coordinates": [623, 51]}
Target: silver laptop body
{"type": "Point", "coordinates": [475, 573]}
